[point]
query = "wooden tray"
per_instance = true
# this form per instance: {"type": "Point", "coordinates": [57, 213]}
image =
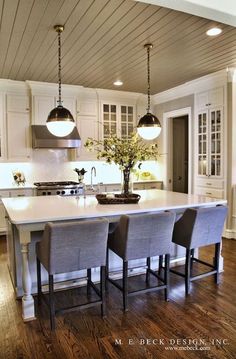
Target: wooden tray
{"type": "Point", "coordinates": [118, 199]}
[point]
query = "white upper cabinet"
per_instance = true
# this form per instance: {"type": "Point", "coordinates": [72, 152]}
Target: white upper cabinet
{"type": "Point", "coordinates": [209, 135]}
{"type": "Point", "coordinates": [117, 119]}
{"type": "Point", "coordinates": [41, 107]}
{"type": "Point", "coordinates": [17, 127]}
{"type": "Point", "coordinates": [87, 122]}
{"type": "Point", "coordinates": [206, 99]}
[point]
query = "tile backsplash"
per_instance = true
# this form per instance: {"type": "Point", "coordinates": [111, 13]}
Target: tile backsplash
{"type": "Point", "coordinates": [53, 165]}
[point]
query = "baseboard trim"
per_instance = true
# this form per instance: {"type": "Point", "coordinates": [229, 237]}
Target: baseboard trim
{"type": "Point", "coordinates": [230, 234]}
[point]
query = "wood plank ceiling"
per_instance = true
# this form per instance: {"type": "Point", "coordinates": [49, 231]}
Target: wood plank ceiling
{"type": "Point", "coordinates": [103, 41]}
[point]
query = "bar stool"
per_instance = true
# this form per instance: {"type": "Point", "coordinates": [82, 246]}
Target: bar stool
{"type": "Point", "coordinates": [142, 236]}
{"type": "Point", "coordinates": [68, 247]}
{"type": "Point", "coordinates": [197, 228]}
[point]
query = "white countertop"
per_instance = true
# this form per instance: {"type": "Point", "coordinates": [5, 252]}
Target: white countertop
{"type": "Point", "coordinates": [28, 210]}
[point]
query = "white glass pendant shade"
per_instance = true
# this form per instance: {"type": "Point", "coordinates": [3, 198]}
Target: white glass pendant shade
{"type": "Point", "coordinates": [60, 128]}
{"type": "Point", "coordinates": [149, 133]}
{"type": "Point", "coordinates": [60, 122]}
{"type": "Point", "coordinates": [149, 127]}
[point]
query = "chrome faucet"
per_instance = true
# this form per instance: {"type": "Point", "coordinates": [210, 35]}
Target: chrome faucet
{"type": "Point", "coordinates": [93, 172]}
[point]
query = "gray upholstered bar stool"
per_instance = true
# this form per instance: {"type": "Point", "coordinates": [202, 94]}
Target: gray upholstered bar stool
{"type": "Point", "coordinates": [142, 236]}
{"type": "Point", "coordinates": [198, 228]}
{"type": "Point", "coordinates": [68, 247]}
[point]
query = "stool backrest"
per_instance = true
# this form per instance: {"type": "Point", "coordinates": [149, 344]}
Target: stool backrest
{"type": "Point", "coordinates": [71, 246]}
{"type": "Point", "coordinates": [200, 227]}
{"type": "Point", "coordinates": [145, 235]}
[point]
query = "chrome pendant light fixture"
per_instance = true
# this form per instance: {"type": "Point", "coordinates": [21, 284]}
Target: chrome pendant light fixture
{"type": "Point", "coordinates": [60, 121]}
{"type": "Point", "coordinates": [149, 126]}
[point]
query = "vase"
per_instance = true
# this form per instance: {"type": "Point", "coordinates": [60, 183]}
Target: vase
{"type": "Point", "coordinates": [126, 182]}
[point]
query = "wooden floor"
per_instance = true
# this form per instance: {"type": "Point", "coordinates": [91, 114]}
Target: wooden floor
{"type": "Point", "coordinates": [200, 326]}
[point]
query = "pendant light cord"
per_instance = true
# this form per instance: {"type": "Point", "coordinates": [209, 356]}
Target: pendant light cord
{"type": "Point", "coordinates": [148, 77]}
{"type": "Point", "coordinates": [59, 68]}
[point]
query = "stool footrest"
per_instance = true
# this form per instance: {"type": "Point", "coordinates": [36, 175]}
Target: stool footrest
{"type": "Point", "coordinates": [79, 306]}
{"type": "Point", "coordinates": [202, 262]}
{"type": "Point", "coordinates": [206, 274]}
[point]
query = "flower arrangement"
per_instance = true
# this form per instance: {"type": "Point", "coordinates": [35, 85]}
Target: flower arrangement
{"type": "Point", "coordinates": [125, 152]}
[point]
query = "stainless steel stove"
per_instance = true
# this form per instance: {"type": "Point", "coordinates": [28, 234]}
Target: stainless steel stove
{"type": "Point", "coordinates": [63, 188]}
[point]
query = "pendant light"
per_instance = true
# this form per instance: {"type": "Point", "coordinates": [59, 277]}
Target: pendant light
{"type": "Point", "coordinates": [60, 121]}
{"type": "Point", "coordinates": [149, 126]}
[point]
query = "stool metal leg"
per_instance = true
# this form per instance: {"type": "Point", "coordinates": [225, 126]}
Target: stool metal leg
{"type": "Point", "coordinates": [187, 271]}
{"type": "Point", "coordinates": [148, 270]}
{"type": "Point", "coordinates": [51, 302]}
{"type": "Point", "coordinates": [167, 276]}
{"type": "Point", "coordinates": [39, 281]}
{"type": "Point", "coordinates": [160, 264]}
{"type": "Point", "coordinates": [191, 262]}
{"type": "Point", "coordinates": [125, 285]}
{"type": "Point", "coordinates": [107, 269]}
{"type": "Point", "coordinates": [217, 262]}
{"type": "Point", "coordinates": [102, 289]}
{"type": "Point", "coordinates": [88, 280]}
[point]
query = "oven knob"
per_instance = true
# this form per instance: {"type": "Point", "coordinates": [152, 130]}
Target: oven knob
{"type": "Point", "coordinates": [72, 191]}
{"type": "Point", "coordinates": [58, 192]}
{"type": "Point", "coordinates": [44, 193]}
{"type": "Point", "coordinates": [76, 191]}
{"type": "Point", "coordinates": [48, 193]}
{"type": "Point", "coordinates": [63, 192]}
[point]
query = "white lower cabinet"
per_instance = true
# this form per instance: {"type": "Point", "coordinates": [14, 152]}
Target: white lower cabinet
{"type": "Point", "coordinates": [18, 192]}
{"type": "Point", "coordinates": [3, 194]}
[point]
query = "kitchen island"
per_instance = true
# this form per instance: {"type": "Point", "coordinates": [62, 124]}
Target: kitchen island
{"type": "Point", "coordinates": [27, 217]}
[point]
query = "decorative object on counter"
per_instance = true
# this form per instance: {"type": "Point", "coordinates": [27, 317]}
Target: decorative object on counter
{"type": "Point", "coordinates": [19, 178]}
{"type": "Point", "coordinates": [124, 152]}
{"type": "Point", "coordinates": [60, 121]}
{"type": "Point", "coordinates": [118, 198]}
{"type": "Point", "coordinates": [149, 126]}
{"type": "Point", "coordinates": [81, 185]}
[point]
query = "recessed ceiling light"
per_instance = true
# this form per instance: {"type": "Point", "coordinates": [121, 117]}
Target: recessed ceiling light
{"type": "Point", "coordinates": [118, 83]}
{"type": "Point", "coordinates": [214, 31]}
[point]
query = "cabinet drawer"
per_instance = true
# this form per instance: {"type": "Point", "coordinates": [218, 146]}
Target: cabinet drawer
{"type": "Point", "coordinates": [4, 194]}
{"type": "Point", "coordinates": [153, 185]}
{"type": "Point", "coordinates": [113, 187]}
{"type": "Point", "coordinates": [210, 183]}
{"type": "Point", "coordinates": [138, 186]}
{"type": "Point", "coordinates": [208, 192]}
{"type": "Point", "coordinates": [21, 192]}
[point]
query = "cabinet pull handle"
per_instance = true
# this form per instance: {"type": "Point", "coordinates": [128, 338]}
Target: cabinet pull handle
{"type": "Point", "coordinates": [208, 193]}
{"type": "Point", "coordinates": [209, 184]}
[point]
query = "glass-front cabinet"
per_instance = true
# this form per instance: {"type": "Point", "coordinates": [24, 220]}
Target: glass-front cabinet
{"type": "Point", "coordinates": [210, 130]}
{"type": "Point", "coordinates": [118, 119]}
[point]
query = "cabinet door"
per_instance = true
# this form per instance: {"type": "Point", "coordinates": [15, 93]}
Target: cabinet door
{"type": "Point", "coordinates": [110, 120]}
{"type": "Point", "coordinates": [215, 142]}
{"type": "Point", "coordinates": [17, 103]}
{"type": "Point", "coordinates": [70, 104]}
{"type": "Point", "coordinates": [127, 121]}
{"type": "Point", "coordinates": [18, 133]}
{"type": "Point", "coordinates": [42, 106]}
{"type": "Point", "coordinates": [2, 123]}
{"type": "Point", "coordinates": [87, 127]}
{"type": "Point", "coordinates": [2, 219]}
{"type": "Point", "coordinates": [202, 143]}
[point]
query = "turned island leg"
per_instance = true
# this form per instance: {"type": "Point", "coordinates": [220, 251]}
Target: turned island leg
{"type": "Point", "coordinates": [28, 312]}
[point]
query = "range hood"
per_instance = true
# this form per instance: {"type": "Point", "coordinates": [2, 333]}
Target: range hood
{"type": "Point", "coordinates": [42, 138]}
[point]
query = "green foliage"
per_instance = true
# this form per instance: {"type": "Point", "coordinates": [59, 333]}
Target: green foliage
{"type": "Point", "coordinates": [123, 152]}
